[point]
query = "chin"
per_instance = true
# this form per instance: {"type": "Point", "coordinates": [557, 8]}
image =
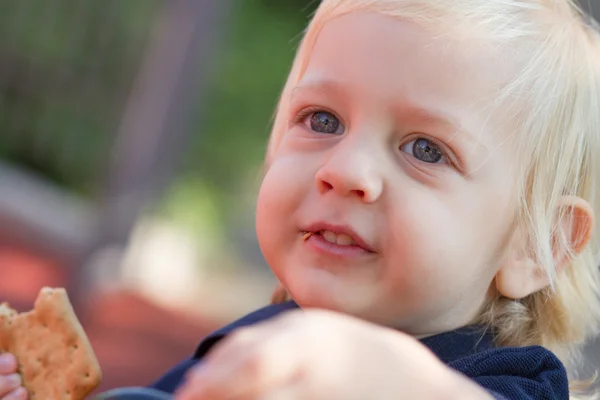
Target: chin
{"type": "Point", "coordinates": [313, 296]}
{"type": "Point", "coordinates": [321, 298]}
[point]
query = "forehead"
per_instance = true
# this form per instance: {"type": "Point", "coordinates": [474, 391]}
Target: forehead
{"type": "Point", "coordinates": [388, 60]}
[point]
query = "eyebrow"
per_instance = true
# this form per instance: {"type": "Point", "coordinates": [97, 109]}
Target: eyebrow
{"type": "Point", "coordinates": [320, 86]}
{"type": "Point", "coordinates": [449, 125]}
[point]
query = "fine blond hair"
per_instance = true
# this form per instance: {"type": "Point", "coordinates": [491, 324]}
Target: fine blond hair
{"type": "Point", "coordinates": [554, 104]}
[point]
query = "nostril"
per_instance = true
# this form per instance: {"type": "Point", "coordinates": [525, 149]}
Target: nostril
{"type": "Point", "coordinates": [325, 186]}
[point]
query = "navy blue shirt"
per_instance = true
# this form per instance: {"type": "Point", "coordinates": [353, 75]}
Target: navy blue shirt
{"type": "Point", "coordinates": [507, 373]}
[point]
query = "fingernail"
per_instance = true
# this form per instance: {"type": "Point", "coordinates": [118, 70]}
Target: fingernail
{"type": "Point", "coordinates": [19, 394]}
{"type": "Point", "coordinates": [6, 359]}
{"type": "Point", "coordinates": [14, 380]}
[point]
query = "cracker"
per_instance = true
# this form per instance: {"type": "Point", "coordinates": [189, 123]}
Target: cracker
{"type": "Point", "coordinates": [55, 357]}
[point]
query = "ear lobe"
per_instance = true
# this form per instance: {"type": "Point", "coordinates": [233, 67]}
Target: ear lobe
{"type": "Point", "coordinates": [521, 275]}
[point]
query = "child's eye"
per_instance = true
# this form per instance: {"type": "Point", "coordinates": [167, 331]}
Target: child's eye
{"type": "Point", "coordinates": [425, 150]}
{"type": "Point", "coordinates": [322, 122]}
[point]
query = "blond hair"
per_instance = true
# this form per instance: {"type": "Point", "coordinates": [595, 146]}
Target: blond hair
{"type": "Point", "coordinates": [554, 103]}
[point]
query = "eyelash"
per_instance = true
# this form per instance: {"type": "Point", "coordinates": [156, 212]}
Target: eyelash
{"type": "Point", "coordinates": [302, 114]}
{"type": "Point", "coordinates": [305, 112]}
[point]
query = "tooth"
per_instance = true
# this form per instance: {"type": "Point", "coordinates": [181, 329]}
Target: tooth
{"type": "Point", "coordinates": [344, 240]}
{"type": "Point", "coordinates": [329, 236]}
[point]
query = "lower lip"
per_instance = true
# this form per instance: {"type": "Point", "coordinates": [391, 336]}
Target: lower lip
{"type": "Point", "coordinates": [320, 245]}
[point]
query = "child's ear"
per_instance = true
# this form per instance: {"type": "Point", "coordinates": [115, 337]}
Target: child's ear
{"type": "Point", "coordinates": [521, 275]}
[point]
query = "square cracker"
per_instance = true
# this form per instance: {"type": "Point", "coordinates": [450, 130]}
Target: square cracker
{"type": "Point", "coordinates": [55, 357]}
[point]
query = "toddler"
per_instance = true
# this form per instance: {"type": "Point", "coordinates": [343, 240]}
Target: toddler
{"type": "Point", "coordinates": [428, 207]}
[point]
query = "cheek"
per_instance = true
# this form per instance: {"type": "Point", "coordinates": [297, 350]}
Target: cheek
{"type": "Point", "coordinates": [283, 188]}
{"type": "Point", "coordinates": [270, 208]}
{"type": "Point", "coordinates": [438, 239]}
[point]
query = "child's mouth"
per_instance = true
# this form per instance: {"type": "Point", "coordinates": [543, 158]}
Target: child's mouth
{"type": "Point", "coordinates": [340, 239]}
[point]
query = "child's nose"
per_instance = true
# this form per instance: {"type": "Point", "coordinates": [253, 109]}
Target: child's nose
{"type": "Point", "coordinates": [351, 175]}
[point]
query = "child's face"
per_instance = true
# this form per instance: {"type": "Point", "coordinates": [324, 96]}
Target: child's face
{"type": "Point", "coordinates": [385, 144]}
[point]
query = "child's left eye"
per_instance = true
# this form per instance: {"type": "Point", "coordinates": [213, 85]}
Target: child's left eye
{"type": "Point", "coordinates": [425, 150]}
{"type": "Point", "coordinates": [323, 122]}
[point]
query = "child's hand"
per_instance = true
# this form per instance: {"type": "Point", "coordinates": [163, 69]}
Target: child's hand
{"type": "Point", "coordinates": [10, 381]}
{"type": "Point", "coordinates": [323, 355]}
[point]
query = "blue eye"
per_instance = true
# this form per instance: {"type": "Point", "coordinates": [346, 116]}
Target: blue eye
{"type": "Point", "coordinates": [325, 122]}
{"type": "Point", "coordinates": [425, 150]}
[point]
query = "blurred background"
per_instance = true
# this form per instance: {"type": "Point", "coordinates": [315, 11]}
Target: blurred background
{"type": "Point", "coordinates": [132, 135]}
{"type": "Point", "coordinates": [131, 140]}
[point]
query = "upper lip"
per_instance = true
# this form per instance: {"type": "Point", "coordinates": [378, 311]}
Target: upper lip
{"type": "Point", "coordinates": [340, 229]}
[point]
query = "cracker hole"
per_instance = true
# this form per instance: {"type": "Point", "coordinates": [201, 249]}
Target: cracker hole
{"type": "Point", "coordinates": [75, 347]}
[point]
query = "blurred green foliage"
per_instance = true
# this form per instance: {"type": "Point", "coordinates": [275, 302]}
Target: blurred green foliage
{"type": "Point", "coordinates": [231, 137]}
{"type": "Point", "coordinates": [66, 67]}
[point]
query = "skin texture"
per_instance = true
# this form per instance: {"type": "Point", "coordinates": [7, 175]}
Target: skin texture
{"type": "Point", "coordinates": [430, 233]}
{"type": "Point", "coordinates": [387, 143]}
{"type": "Point", "coordinates": [439, 230]}
{"type": "Point", "coordinates": [9, 381]}
{"type": "Point", "coordinates": [361, 362]}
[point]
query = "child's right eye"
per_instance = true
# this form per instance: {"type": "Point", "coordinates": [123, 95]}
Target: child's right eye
{"type": "Point", "coordinates": [321, 121]}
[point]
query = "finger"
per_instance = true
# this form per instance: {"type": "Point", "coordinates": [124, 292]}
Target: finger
{"type": "Point", "coordinates": [18, 394]}
{"type": "Point", "coordinates": [236, 372]}
{"type": "Point", "coordinates": [225, 351]}
{"type": "Point", "coordinates": [295, 390]}
{"type": "Point", "coordinates": [8, 364]}
{"type": "Point", "coordinates": [236, 390]}
{"type": "Point", "coordinates": [9, 383]}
